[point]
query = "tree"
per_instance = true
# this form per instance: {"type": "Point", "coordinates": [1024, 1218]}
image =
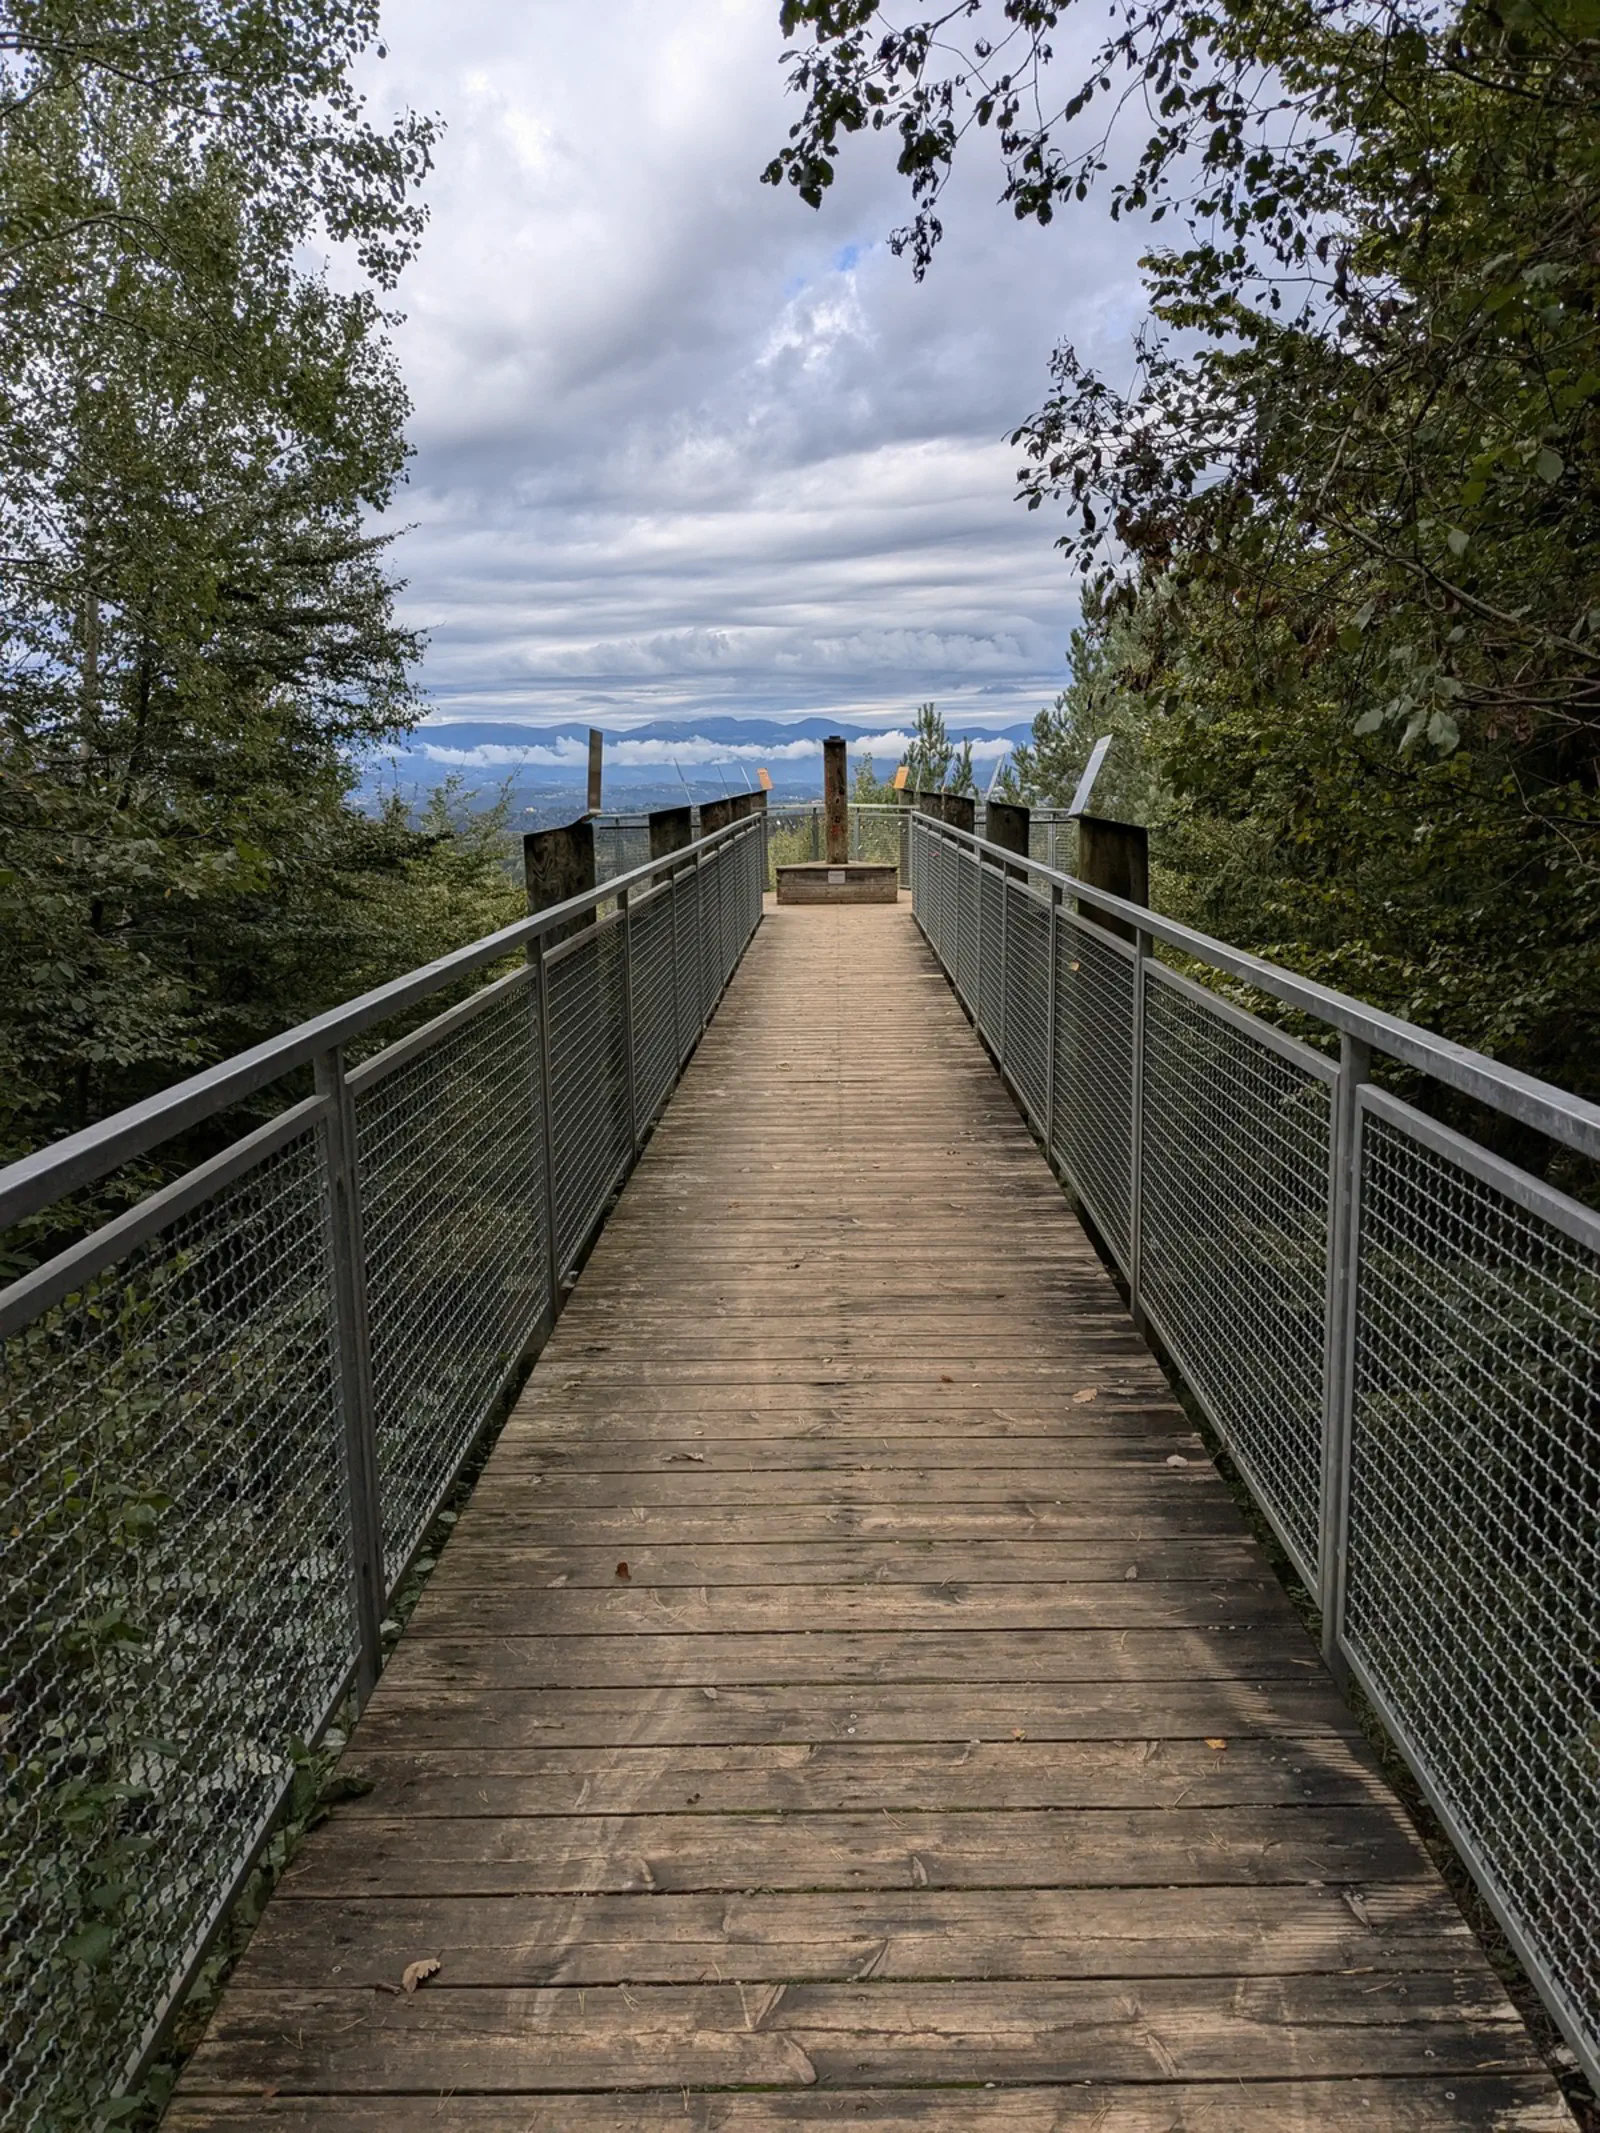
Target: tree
{"type": "Point", "coordinates": [197, 633]}
{"type": "Point", "coordinates": [867, 790]}
{"type": "Point", "coordinates": [933, 761]}
{"type": "Point", "coordinates": [1343, 525]}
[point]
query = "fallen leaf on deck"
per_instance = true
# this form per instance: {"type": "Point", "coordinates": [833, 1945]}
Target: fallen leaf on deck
{"type": "Point", "coordinates": [1082, 1399]}
{"type": "Point", "coordinates": [1215, 1743]}
{"type": "Point", "coordinates": [686, 1458]}
{"type": "Point", "coordinates": [1017, 1733]}
{"type": "Point", "coordinates": [623, 1571]}
{"type": "Point", "coordinates": [1132, 1571]}
{"type": "Point", "coordinates": [945, 1378]}
{"type": "Point", "coordinates": [418, 1973]}
{"type": "Point", "coordinates": [1176, 1459]}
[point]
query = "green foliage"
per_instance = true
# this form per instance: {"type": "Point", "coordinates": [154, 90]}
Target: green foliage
{"type": "Point", "coordinates": [1342, 528]}
{"type": "Point", "coordinates": [867, 790]}
{"type": "Point", "coordinates": [933, 761]}
{"type": "Point", "coordinates": [197, 636]}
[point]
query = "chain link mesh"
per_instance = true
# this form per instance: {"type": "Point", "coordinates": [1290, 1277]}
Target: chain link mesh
{"type": "Point", "coordinates": [177, 1613]}
{"type": "Point", "coordinates": [451, 1151]}
{"type": "Point", "coordinates": [1234, 1241]}
{"type": "Point", "coordinates": [1473, 1593]}
{"type": "Point", "coordinates": [1094, 1073]}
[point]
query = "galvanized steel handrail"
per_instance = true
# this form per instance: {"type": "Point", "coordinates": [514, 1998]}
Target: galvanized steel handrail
{"type": "Point", "coordinates": [35, 1180]}
{"type": "Point", "coordinates": [230, 1416]}
{"type": "Point", "coordinates": [1394, 1330]}
{"type": "Point", "coordinates": [1541, 1104]}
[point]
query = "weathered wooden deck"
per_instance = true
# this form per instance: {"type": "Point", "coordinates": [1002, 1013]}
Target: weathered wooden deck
{"type": "Point", "coordinates": [851, 1697]}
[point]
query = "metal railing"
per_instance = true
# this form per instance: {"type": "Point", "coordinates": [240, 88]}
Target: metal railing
{"type": "Point", "coordinates": [1395, 1332]}
{"type": "Point", "coordinates": [229, 1417]}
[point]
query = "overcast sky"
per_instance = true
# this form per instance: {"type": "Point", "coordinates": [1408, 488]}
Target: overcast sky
{"type": "Point", "coordinates": [682, 444]}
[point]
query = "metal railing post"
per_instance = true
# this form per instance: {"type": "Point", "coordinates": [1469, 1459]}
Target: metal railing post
{"type": "Point", "coordinates": [1339, 1324]}
{"type": "Point", "coordinates": [353, 1340]}
{"type": "Point", "coordinates": [552, 1249]}
{"type": "Point", "coordinates": [1141, 953]}
{"type": "Point", "coordinates": [625, 922]}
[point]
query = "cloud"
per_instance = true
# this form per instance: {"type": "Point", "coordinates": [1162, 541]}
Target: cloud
{"type": "Point", "coordinates": [682, 444]}
{"type": "Point", "coordinates": [567, 752]}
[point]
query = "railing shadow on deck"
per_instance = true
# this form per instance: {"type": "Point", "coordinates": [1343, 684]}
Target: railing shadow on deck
{"type": "Point", "coordinates": [1394, 1331]}
{"type": "Point", "coordinates": [230, 1415]}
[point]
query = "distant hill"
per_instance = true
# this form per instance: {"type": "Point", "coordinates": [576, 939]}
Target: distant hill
{"type": "Point", "coordinates": [646, 766]}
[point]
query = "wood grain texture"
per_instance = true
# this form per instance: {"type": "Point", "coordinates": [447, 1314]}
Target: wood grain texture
{"type": "Point", "coordinates": [851, 1698]}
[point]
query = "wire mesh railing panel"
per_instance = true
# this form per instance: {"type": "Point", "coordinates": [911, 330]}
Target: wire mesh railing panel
{"type": "Point", "coordinates": [1094, 1073]}
{"type": "Point", "coordinates": [710, 937]}
{"type": "Point", "coordinates": [991, 1002]}
{"type": "Point", "coordinates": [655, 1010]}
{"type": "Point", "coordinates": [451, 1152]}
{"type": "Point", "coordinates": [177, 1614]}
{"type": "Point", "coordinates": [1027, 1001]}
{"type": "Point", "coordinates": [621, 842]}
{"type": "Point", "coordinates": [963, 895]}
{"type": "Point", "coordinates": [1474, 1523]}
{"type": "Point", "coordinates": [1234, 1241]}
{"type": "Point", "coordinates": [686, 958]}
{"type": "Point", "coordinates": [591, 1134]}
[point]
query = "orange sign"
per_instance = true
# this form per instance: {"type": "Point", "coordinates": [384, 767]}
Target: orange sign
{"type": "Point", "coordinates": [900, 777]}
{"type": "Point", "coordinates": [766, 780]}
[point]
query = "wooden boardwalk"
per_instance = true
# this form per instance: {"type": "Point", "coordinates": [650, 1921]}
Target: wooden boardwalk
{"type": "Point", "coordinates": [851, 1697]}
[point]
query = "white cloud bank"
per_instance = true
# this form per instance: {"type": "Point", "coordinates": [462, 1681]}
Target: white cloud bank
{"type": "Point", "coordinates": [683, 445]}
{"type": "Point", "coordinates": [566, 752]}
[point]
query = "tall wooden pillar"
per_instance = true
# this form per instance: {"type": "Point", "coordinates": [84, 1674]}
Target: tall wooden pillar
{"type": "Point", "coordinates": [836, 800]}
{"type": "Point", "coordinates": [671, 828]}
{"type": "Point", "coordinates": [1114, 856]}
{"type": "Point", "coordinates": [556, 864]}
{"type": "Point", "coordinates": [1006, 824]}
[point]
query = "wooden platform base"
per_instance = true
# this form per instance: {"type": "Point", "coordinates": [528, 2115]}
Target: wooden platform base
{"type": "Point", "coordinates": [851, 1697]}
{"type": "Point", "coordinates": [859, 881]}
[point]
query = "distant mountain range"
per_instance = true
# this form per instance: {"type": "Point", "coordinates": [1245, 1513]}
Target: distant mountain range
{"type": "Point", "coordinates": [543, 767]}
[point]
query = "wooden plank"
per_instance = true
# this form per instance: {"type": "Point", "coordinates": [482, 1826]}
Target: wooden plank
{"type": "Point", "coordinates": [805, 1777]}
{"type": "Point", "coordinates": [1433, 2103]}
{"type": "Point", "coordinates": [806, 2035]}
{"type": "Point", "coordinates": [995, 1659]}
{"type": "Point", "coordinates": [1148, 1481]}
{"type": "Point", "coordinates": [495, 1855]}
{"type": "Point", "coordinates": [767, 1937]}
{"type": "Point", "coordinates": [510, 1609]}
{"type": "Point", "coordinates": [1230, 1708]}
{"type": "Point", "coordinates": [494, 1559]}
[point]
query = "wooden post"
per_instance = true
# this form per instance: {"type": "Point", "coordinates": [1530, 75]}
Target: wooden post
{"type": "Point", "coordinates": [556, 864]}
{"type": "Point", "coordinates": [671, 828]}
{"type": "Point", "coordinates": [960, 810]}
{"type": "Point", "coordinates": [597, 743]}
{"type": "Point", "coordinates": [1114, 856]}
{"type": "Point", "coordinates": [1006, 824]}
{"type": "Point", "coordinates": [716, 815]}
{"type": "Point", "coordinates": [836, 800]}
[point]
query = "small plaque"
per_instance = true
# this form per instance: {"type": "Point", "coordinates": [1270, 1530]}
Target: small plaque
{"type": "Point", "coordinates": [836, 877]}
